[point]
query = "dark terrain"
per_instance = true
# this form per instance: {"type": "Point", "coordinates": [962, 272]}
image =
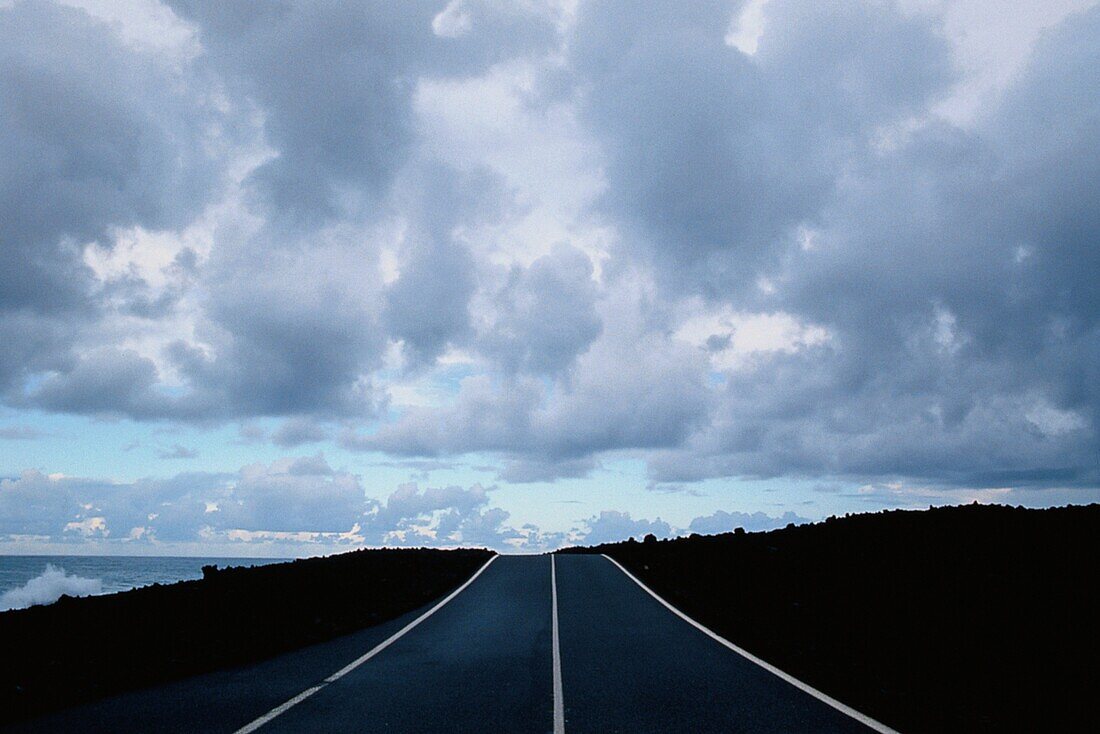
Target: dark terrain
{"type": "Point", "coordinates": [963, 619]}
{"type": "Point", "coordinates": [81, 649]}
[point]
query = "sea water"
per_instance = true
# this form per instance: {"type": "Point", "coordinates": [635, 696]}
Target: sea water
{"type": "Point", "coordinates": [27, 580]}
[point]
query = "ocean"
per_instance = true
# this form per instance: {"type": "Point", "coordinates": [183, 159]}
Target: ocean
{"type": "Point", "coordinates": [28, 580]}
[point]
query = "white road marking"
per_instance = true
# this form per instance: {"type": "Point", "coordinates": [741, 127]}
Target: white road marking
{"type": "Point", "coordinates": [282, 708]}
{"type": "Point", "coordinates": [279, 709]}
{"type": "Point", "coordinates": [559, 698]}
{"type": "Point", "coordinates": [829, 700]}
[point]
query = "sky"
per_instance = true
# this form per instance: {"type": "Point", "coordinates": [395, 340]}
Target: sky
{"type": "Point", "coordinates": [290, 278]}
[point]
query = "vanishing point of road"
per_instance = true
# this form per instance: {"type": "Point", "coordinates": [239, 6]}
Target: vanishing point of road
{"type": "Point", "coordinates": [535, 644]}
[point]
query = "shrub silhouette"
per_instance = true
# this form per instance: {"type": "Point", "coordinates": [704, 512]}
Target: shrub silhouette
{"type": "Point", "coordinates": [975, 618]}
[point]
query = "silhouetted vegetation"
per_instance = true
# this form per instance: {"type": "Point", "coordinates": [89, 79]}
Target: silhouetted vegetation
{"type": "Point", "coordinates": [964, 619]}
{"type": "Point", "coordinates": [80, 649]}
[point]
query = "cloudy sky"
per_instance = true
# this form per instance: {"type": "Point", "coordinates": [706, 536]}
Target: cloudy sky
{"type": "Point", "coordinates": [290, 277]}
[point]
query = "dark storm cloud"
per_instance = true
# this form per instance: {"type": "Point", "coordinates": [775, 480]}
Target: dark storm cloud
{"type": "Point", "coordinates": [34, 341]}
{"type": "Point", "coordinates": [100, 135]}
{"type": "Point", "coordinates": [329, 79]}
{"type": "Point", "coordinates": [950, 269]}
{"type": "Point", "coordinates": [294, 337]}
{"type": "Point", "coordinates": [298, 431]}
{"type": "Point", "coordinates": [425, 311]}
{"type": "Point", "coordinates": [105, 381]}
{"type": "Point", "coordinates": [955, 273]}
{"type": "Point", "coordinates": [546, 314]}
{"type": "Point", "coordinates": [334, 81]}
{"type": "Point", "coordinates": [713, 156]}
{"type": "Point", "coordinates": [427, 307]}
{"type": "Point", "coordinates": [291, 336]}
{"type": "Point", "coordinates": [103, 135]}
{"type": "Point", "coordinates": [713, 160]}
{"type": "Point", "coordinates": [95, 135]}
{"type": "Point", "coordinates": [631, 391]}
{"type": "Point", "coordinates": [298, 316]}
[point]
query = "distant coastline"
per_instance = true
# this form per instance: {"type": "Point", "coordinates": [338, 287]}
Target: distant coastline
{"type": "Point", "coordinates": [42, 579]}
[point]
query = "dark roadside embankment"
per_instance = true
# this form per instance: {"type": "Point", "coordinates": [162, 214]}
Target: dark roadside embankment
{"type": "Point", "coordinates": [957, 619]}
{"type": "Point", "coordinates": [80, 649]}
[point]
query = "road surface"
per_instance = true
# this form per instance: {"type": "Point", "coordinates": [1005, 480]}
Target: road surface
{"type": "Point", "coordinates": [531, 644]}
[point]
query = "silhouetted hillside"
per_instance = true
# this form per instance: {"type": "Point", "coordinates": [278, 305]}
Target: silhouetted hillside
{"type": "Point", "coordinates": [974, 618]}
{"type": "Point", "coordinates": [79, 649]}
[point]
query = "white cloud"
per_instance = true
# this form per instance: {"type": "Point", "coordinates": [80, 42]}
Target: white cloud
{"type": "Point", "coordinates": [550, 167]}
{"type": "Point", "coordinates": [453, 21]}
{"type": "Point", "coordinates": [992, 45]}
{"type": "Point", "coordinates": [1054, 422]}
{"type": "Point", "coordinates": [733, 338]}
{"type": "Point", "coordinates": [88, 527]}
{"type": "Point", "coordinates": [748, 27]}
{"type": "Point", "coordinates": [147, 25]}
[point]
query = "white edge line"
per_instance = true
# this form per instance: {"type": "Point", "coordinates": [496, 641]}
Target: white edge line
{"type": "Point", "coordinates": [844, 709]}
{"type": "Point", "coordinates": [559, 698]}
{"type": "Point", "coordinates": [282, 708]}
{"type": "Point", "coordinates": [253, 726]}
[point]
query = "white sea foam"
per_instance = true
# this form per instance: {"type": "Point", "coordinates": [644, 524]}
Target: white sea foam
{"type": "Point", "coordinates": [47, 587]}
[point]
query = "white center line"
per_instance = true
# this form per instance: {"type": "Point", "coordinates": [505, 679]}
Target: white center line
{"type": "Point", "coordinates": [287, 705]}
{"type": "Point", "coordinates": [559, 699]}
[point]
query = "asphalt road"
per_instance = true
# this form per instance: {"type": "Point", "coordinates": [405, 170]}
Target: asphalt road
{"type": "Point", "coordinates": [485, 661]}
